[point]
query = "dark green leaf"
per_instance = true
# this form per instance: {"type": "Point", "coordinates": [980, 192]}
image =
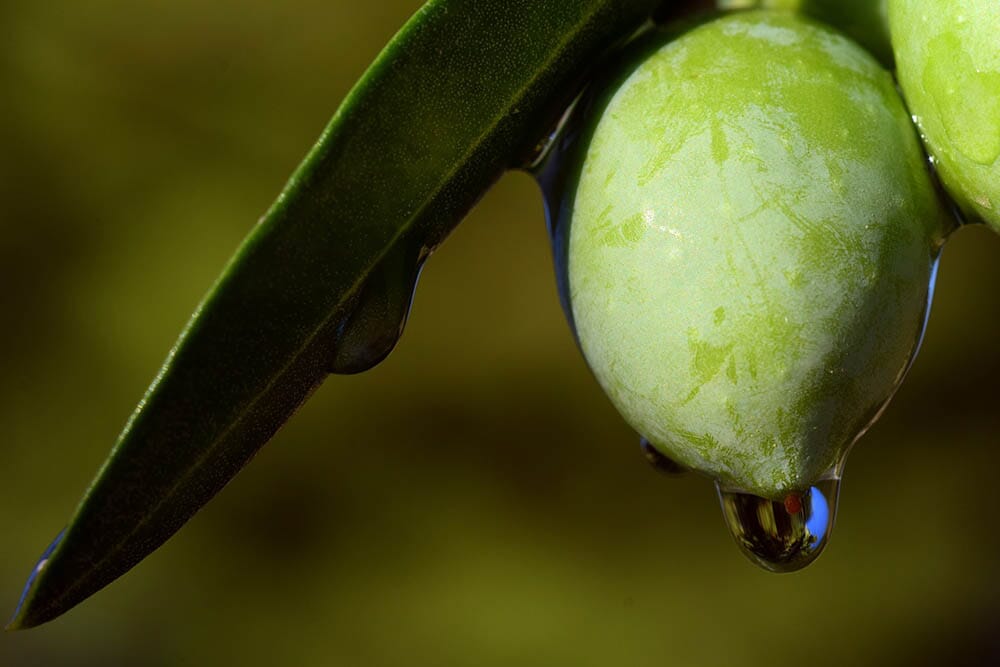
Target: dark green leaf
{"type": "Point", "coordinates": [323, 282]}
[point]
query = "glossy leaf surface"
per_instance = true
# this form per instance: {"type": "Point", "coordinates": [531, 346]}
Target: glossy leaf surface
{"type": "Point", "coordinates": [323, 282]}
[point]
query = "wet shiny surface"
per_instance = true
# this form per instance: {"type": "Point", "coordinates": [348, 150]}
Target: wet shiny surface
{"type": "Point", "coordinates": [782, 535]}
{"type": "Point", "coordinates": [443, 511]}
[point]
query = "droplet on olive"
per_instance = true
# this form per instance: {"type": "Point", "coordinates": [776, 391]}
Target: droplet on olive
{"type": "Point", "coordinates": [748, 232]}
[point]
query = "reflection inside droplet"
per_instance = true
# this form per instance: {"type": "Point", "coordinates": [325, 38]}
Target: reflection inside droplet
{"type": "Point", "coordinates": [782, 535]}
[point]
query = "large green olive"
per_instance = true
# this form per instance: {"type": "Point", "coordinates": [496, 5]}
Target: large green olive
{"type": "Point", "coordinates": [948, 58]}
{"type": "Point", "coordinates": [752, 232]}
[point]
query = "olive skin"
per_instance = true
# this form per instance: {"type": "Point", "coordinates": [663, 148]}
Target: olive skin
{"type": "Point", "coordinates": [750, 235]}
{"type": "Point", "coordinates": [865, 21]}
{"type": "Point", "coordinates": [948, 65]}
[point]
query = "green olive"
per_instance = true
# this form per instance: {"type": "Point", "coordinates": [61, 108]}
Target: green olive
{"type": "Point", "coordinates": [865, 21]}
{"type": "Point", "coordinates": [752, 233]}
{"type": "Point", "coordinates": [948, 58]}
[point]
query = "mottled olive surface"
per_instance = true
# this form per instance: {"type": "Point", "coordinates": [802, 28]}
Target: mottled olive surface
{"type": "Point", "coordinates": [948, 58]}
{"type": "Point", "coordinates": [865, 21]}
{"type": "Point", "coordinates": [753, 233]}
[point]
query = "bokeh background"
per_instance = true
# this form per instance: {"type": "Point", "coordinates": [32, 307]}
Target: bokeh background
{"type": "Point", "coordinates": [474, 500]}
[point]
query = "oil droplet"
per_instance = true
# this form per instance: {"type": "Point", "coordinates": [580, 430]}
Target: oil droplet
{"type": "Point", "coordinates": [373, 327]}
{"type": "Point", "coordinates": [534, 163]}
{"type": "Point", "coordinates": [660, 463]}
{"type": "Point", "coordinates": [782, 535]}
{"type": "Point", "coordinates": [555, 170]}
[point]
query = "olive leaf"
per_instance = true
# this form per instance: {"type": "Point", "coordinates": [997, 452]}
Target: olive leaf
{"type": "Point", "coordinates": [323, 282]}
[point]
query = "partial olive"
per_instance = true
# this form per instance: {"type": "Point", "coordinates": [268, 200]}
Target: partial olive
{"type": "Point", "coordinates": [750, 234]}
{"type": "Point", "coordinates": [865, 21]}
{"type": "Point", "coordinates": [948, 60]}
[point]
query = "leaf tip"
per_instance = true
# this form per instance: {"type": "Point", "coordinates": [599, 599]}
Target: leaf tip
{"type": "Point", "coordinates": [27, 614]}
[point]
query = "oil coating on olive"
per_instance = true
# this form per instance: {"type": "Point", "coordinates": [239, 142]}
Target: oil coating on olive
{"type": "Point", "coordinates": [752, 235]}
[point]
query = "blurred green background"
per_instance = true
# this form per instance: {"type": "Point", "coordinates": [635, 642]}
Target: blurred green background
{"type": "Point", "coordinates": [474, 500]}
